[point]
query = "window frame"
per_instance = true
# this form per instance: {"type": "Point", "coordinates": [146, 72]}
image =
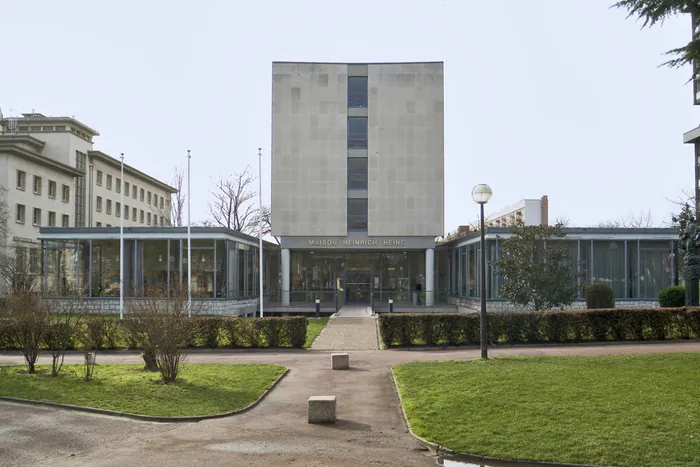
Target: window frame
{"type": "Point", "coordinates": [98, 204]}
{"type": "Point", "coordinates": [65, 193]}
{"type": "Point", "coordinates": [40, 184]}
{"type": "Point", "coordinates": [98, 178]}
{"type": "Point", "coordinates": [21, 180]}
{"type": "Point", "coordinates": [50, 222]}
{"type": "Point", "coordinates": [358, 95]}
{"type": "Point", "coordinates": [118, 185]}
{"type": "Point", "coordinates": [20, 213]}
{"type": "Point", "coordinates": [65, 220]}
{"type": "Point", "coordinates": [108, 207]}
{"type": "Point", "coordinates": [354, 143]}
{"type": "Point", "coordinates": [109, 182]}
{"type": "Point", "coordinates": [55, 188]}
{"type": "Point", "coordinates": [34, 216]}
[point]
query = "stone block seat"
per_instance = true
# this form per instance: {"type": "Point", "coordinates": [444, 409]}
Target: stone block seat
{"type": "Point", "coordinates": [321, 409]}
{"type": "Point", "coordinates": [340, 361]}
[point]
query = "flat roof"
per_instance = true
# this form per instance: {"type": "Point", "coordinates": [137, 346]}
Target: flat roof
{"type": "Point", "coordinates": [156, 233]}
{"type": "Point", "coordinates": [37, 117]}
{"type": "Point", "coordinates": [360, 63]}
{"type": "Point", "coordinates": [576, 233]}
{"type": "Point", "coordinates": [11, 144]}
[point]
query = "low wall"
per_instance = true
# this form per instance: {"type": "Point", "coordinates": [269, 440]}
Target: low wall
{"type": "Point", "coordinates": [474, 304]}
{"type": "Point", "coordinates": [218, 307]}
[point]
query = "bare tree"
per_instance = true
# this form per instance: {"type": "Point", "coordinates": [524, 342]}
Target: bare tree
{"type": "Point", "coordinates": [562, 221]}
{"type": "Point", "coordinates": [233, 206]}
{"type": "Point", "coordinates": [161, 324]}
{"type": "Point", "coordinates": [631, 220]}
{"type": "Point", "coordinates": [178, 206]}
{"type": "Point", "coordinates": [64, 320]}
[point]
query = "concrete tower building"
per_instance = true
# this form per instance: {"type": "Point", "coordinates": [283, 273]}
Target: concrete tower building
{"type": "Point", "coordinates": [357, 178]}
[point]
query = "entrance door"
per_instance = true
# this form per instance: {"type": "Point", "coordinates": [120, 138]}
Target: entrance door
{"type": "Point", "coordinates": [357, 287]}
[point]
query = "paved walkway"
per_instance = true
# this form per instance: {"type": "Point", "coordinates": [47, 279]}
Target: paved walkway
{"type": "Point", "coordinates": [370, 430]}
{"type": "Point", "coordinates": [353, 329]}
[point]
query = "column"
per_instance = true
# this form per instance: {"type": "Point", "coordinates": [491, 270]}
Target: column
{"type": "Point", "coordinates": [285, 276]}
{"type": "Point", "coordinates": [430, 277]}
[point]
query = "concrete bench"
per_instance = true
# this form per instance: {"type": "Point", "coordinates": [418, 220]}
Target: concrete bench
{"type": "Point", "coordinates": [321, 409]}
{"type": "Point", "coordinates": [340, 361]}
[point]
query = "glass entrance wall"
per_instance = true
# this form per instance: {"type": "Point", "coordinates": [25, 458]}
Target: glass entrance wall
{"type": "Point", "coordinates": [379, 274]}
{"type": "Point", "coordinates": [221, 268]}
{"type": "Point", "coordinates": [633, 268]}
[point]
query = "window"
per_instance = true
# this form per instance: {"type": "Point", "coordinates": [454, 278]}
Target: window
{"type": "Point", "coordinates": [36, 219]}
{"type": "Point", "coordinates": [109, 206]}
{"type": "Point", "coordinates": [126, 214]}
{"type": "Point", "coordinates": [37, 185]}
{"type": "Point", "coordinates": [142, 192]}
{"type": "Point", "coordinates": [133, 217]}
{"type": "Point", "coordinates": [47, 128]}
{"type": "Point", "coordinates": [99, 224]}
{"type": "Point", "coordinates": [35, 128]}
{"type": "Point", "coordinates": [141, 216]}
{"type": "Point", "coordinates": [118, 210]}
{"type": "Point", "coordinates": [19, 214]}
{"type": "Point", "coordinates": [357, 214]}
{"type": "Point", "coordinates": [148, 219]}
{"type": "Point", "coordinates": [357, 132]}
{"type": "Point", "coordinates": [155, 200]}
{"type": "Point", "coordinates": [52, 189]}
{"type": "Point", "coordinates": [109, 182]}
{"type": "Point", "coordinates": [161, 206]}
{"type": "Point", "coordinates": [21, 180]}
{"type": "Point", "coordinates": [99, 178]}
{"type": "Point", "coordinates": [162, 223]}
{"type": "Point", "coordinates": [98, 207]}
{"type": "Point", "coordinates": [63, 128]}
{"type": "Point", "coordinates": [65, 196]}
{"type": "Point", "coordinates": [119, 186]}
{"type": "Point", "coordinates": [108, 225]}
{"type": "Point", "coordinates": [357, 91]}
{"type": "Point", "coordinates": [66, 222]}
{"type": "Point", "coordinates": [133, 191]}
{"type": "Point", "coordinates": [52, 219]}
{"type": "Point", "coordinates": [357, 173]}
{"type": "Point", "coordinates": [126, 188]}
{"type": "Point", "coordinates": [149, 198]}
{"type": "Point", "coordinates": [80, 195]}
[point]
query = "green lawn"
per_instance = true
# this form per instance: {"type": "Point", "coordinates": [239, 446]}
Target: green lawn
{"type": "Point", "coordinates": [636, 410]}
{"type": "Point", "coordinates": [201, 389]}
{"type": "Point", "coordinates": [314, 329]}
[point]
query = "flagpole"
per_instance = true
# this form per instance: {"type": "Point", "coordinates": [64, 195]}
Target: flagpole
{"type": "Point", "coordinates": [189, 243]}
{"type": "Point", "coordinates": [260, 227]}
{"type": "Point", "coordinates": [121, 241]}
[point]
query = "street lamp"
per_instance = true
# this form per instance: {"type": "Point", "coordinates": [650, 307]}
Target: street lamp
{"type": "Point", "coordinates": [482, 194]}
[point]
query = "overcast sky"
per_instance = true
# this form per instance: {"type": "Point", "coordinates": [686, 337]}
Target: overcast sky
{"type": "Point", "coordinates": [554, 97]}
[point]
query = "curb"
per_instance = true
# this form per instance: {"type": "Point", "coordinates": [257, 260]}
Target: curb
{"type": "Point", "coordinates": [145, 418]}
{"type": "Point", "coordinates": [562, 345]}
{"type": "Point", "coordinates": [443, 451]}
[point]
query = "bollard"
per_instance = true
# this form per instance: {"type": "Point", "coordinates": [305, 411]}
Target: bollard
{"type": "Point", "coordinates": [391, 305]}
{"type": "Point", "coordinates": [318, 308]}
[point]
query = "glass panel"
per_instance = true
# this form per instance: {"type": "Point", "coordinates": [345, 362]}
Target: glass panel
{"type": "Point", "coordinates": [105, 268]}
{"type": "Point", "coordinates": [609, 265]}
{"type": "Point", "coordinates": [357, 214]}
{"type": "Point", "coordinates": [175, 265]}
{"type": "Point", "coordinates": [203, 273]}
{"type": "Point", "coordinates": [221, 268]}
{"type": "Point", "coordinates": [357, 91]}
{"type": "Point", "coordinates": [155, 267]}
{"type": "Point", "coordinates": [471, 271]}
{"type": "Point", "coordinates": [655, 268]}
{"type": "Point", "coordinates": [357, 172]}
{"type": "Point", "coordinates": [357, 132]}
{"type": "Point", "coordinates": [585, 266]}
{"type": "Point", "coordinates": [632, 270]}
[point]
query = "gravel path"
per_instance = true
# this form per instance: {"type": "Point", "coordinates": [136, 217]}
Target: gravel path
{"type": "Point", "coordinates": [348, 334]}
{"type": "Point", "coordinates": [370, 430]}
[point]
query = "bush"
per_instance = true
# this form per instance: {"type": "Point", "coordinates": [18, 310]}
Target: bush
{"type": "Point", "coordinates": [443, 329]}
{"type": "Point", "coordinates": [599, 296]}
{"type": "Point", "coordinates": [672, 297]}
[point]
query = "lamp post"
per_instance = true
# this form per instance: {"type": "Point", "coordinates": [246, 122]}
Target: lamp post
{"type": "Point", "coordinates": [121, 241]}
{"type": "Point", "coordinates": [189, 243]}
{"type": "Point", "coordinates": [482, 194]}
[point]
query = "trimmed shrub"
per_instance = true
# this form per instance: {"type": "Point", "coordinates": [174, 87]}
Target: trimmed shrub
{"type": "Point", "coordinates": [207, 329]}
{"type": "Point", "coordinates": [295, 330]}
{"type": "Point", "coordinates": [442, 329]}
{"type": "Point", "coordinates": [672, 297]}
{"type": "Point", "coordinates": [599, 296]}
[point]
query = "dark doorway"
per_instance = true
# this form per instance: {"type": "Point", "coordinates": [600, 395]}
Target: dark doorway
{"type": "Point", "coordinates": [357, 287]}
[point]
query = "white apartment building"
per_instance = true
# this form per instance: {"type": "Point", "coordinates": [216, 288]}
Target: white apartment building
{"type": "Point", "coordinates": [527, 211]}
{"type": "Point", "coordinates": [53, 177]}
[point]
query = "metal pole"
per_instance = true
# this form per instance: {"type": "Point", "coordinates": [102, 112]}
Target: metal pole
{"type": "Point", "coordinates": [121, 241]}
{"type": "Point", "coordinates": [260, 227]}
{"type": "Point", "coordinates": [484, 353]}
{"type": "Point", "coordinates": [189, 243]}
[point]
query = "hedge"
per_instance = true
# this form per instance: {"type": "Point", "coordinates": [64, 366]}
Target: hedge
{"type": "Point", "coordinates": [453, 329]}
{"type": "Point", "coordinates": [673, 296]}
{"type": "Point", "coordinates": [207, 332]}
